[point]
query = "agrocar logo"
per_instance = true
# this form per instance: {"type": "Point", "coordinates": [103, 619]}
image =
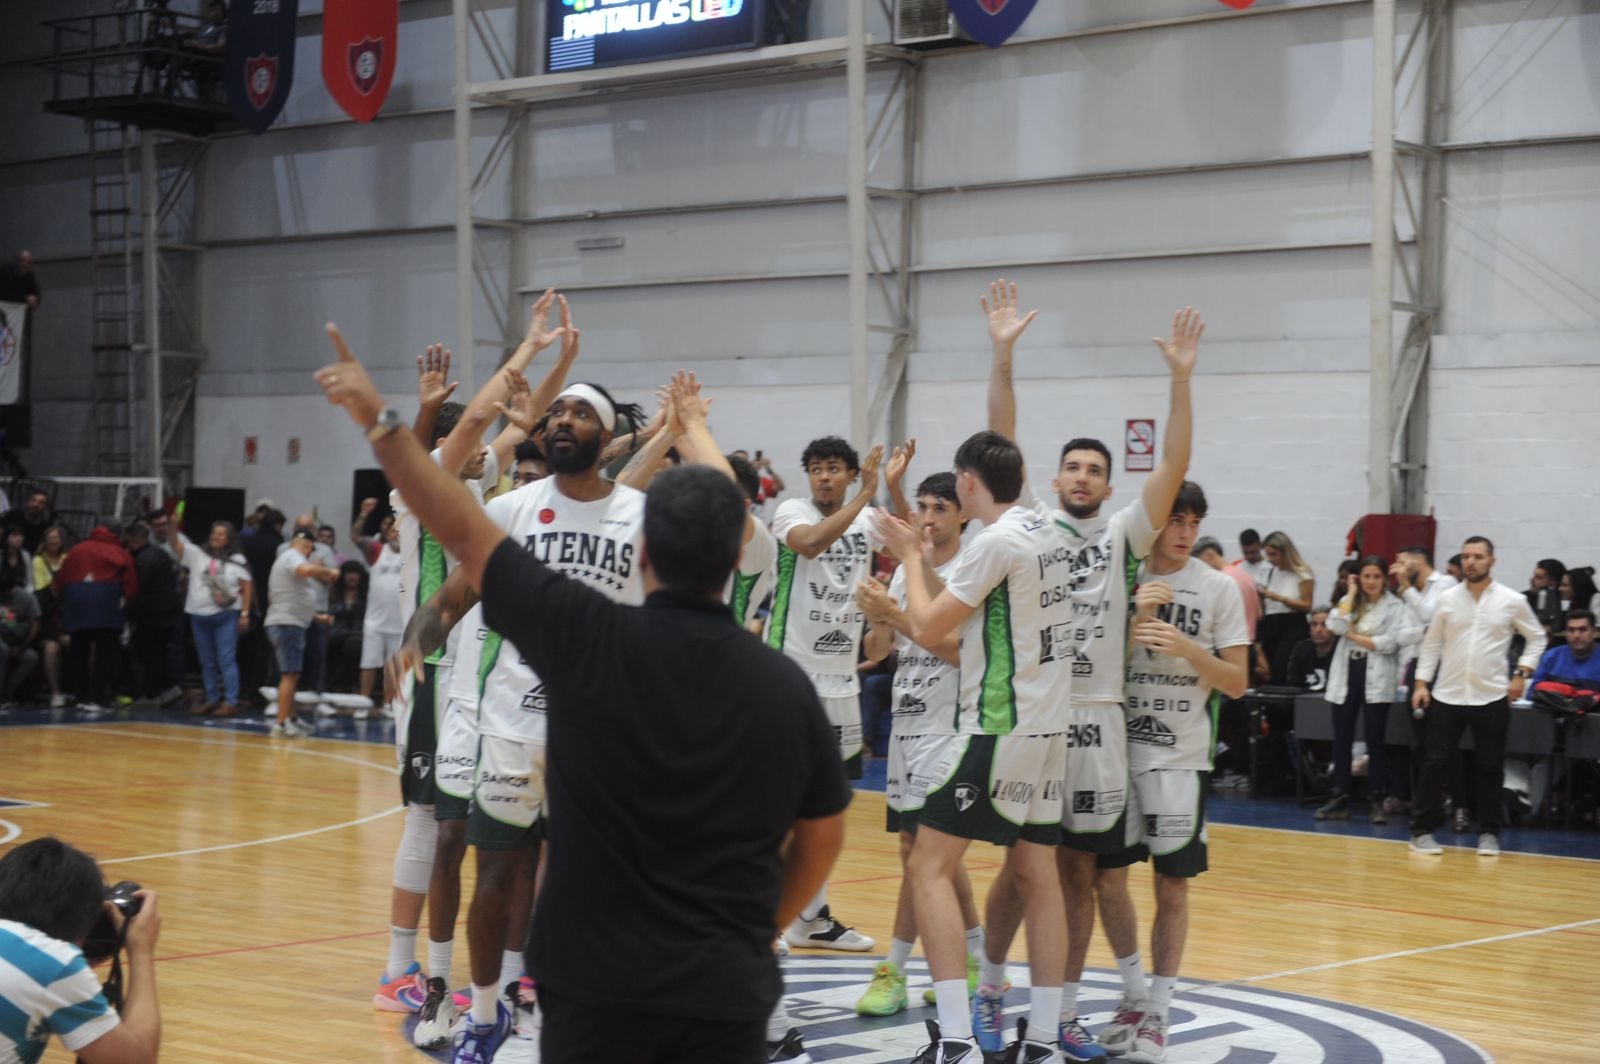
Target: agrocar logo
{"type": "Point", "coordinates": [1211, 1024]}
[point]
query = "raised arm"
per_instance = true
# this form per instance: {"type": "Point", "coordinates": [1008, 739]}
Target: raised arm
{"type": "Point", "coordinates": [440, 502]}
{"type": "Point", "coordinates": [894, 475]}
{"type": "Point", "coordinates": [811, 540]}
{"type": "Point", "coordinates": [1005, 326]}
{"type": "Point", "coordinates": [1180, 351]}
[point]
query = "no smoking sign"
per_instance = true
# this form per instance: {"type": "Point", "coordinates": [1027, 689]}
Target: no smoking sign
{"type": "Point", "coordinates": [1141, 445]}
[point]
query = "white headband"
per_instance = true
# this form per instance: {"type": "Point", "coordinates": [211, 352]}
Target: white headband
{"type": "Point", "coordinates": [591, 395]}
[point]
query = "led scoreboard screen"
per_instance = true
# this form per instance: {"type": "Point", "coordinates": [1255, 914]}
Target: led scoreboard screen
{"type": "Point", "coordinates": [582, 34]}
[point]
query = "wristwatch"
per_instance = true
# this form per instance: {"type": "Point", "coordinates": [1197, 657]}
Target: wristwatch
{"type": "Point", "coordinates": [1522, 671]}
{"type": "Point", "coordinates": [388, 421]}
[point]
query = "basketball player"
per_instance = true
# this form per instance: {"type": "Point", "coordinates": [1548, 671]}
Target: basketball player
{"type": "Point", "coordinates": [1104, 547]}
{"type": "Point", "coordinates": [924, 716]}
{"type": "Point", "coordinates": [1190, 649]}
{"type": "Point", "coordinates": [1008, 595]}
{"type": "Point", "coordinates": [825, 548]}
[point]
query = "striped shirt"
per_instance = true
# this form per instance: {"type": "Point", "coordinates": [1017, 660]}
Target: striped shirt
{"type": "Point", "coordinates": [46, 987]}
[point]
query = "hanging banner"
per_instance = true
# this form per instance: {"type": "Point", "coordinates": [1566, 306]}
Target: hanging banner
{"type": "Point", "coordinates": [13, 326]}
{"type": "Point", "coordinates": [360, 40]}
{"type": "Point", "coordinates": [1240, 4]}
{"type": "Point", "coordinates": [991, 22]}
{"type": "Point", "coordinates": [259, 66]}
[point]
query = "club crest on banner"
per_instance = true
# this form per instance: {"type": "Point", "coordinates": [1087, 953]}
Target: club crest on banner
{"type": "Point", "coordinates": [260, 79]}
{"type": "Point", "coordinates": [366, 59]}
{"type": "Point", "coordinates": [991, 22]}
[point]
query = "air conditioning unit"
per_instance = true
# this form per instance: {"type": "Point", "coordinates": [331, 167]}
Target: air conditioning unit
{"type": "Point", "coordinates": [926, 24]}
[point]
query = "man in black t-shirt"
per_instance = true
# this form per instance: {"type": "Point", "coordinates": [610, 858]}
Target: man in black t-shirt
{"type": "Point", "coordinates": [668, 874]}
{"type": "Point", "coordinates": [1309, 663]}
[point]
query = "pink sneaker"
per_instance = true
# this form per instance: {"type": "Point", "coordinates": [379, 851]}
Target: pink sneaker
{"type": "Point", "coordinates": [403, 993]}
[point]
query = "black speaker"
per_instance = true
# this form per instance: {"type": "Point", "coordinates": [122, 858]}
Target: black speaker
{"type": "Point", "coordinates": [16, 427]}
{"type": "Point", "coordinates": [203, 507]}
{"type": "Point", "coordinates": [370, 484]}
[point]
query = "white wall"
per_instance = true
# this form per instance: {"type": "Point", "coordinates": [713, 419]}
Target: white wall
{"type": "Point", "coordinates": [1271, 252]}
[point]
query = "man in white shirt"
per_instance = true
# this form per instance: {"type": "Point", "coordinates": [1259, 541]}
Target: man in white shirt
{"type": "Point", "coordinates": [1420, 583]}
{"type": "Point", "coordinates": [1251, 559]}
{"type": "Point", "coordinates": [1461, 682]}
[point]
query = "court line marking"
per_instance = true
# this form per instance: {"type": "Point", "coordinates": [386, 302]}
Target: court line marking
{"type": "Point", "coordinates": [257, 842]}
{"type": "Point", "coordinates": [1396, 842]}
{"type": "Point", "coordinates": [11, 831]}
{"type": "Point", "coordinates": [1417, 952]}
{"type": "Point", "coordinates": [196, 741]}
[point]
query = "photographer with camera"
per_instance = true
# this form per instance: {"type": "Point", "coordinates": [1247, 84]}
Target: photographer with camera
{"type": "Point", "coordinates": [57, 918]}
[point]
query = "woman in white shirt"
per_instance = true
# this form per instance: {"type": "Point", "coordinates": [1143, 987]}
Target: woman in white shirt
{"type": "Point", "coordinates": [1287, 593]}
{"type": "Point", "coordinates": [218, 605]}
{"type": "Point", "coordinates": [1373, 624]}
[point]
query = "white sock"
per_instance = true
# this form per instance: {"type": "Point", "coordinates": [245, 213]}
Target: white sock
{"type": "Point", "coordinates": [975, 942]}
{"type": "Point", "coordinates": [439, 956]}
{"type": "Point", "coordinates": [778, 1022]}
{"type": "Point", "coordinates": [1044, 1012]}
{"type": "Point", "coordinates": [1134, 987]}
{"type": "Point", "coordinates": [814, 907]}
{"type": "Point", "coordinates": [402, 951]}
{"type": "Point", "coordinates": [484, 1004]}
{"type": "Point", "coordinates": [1161, 988]}
{"type": "Point", "coordinates": [993, 973]}
{"type": "Point", "coordinates": [955, 1017]}
{"type": "Point", "coordinates": [899, 953]}
{"type": "Point", "coordinates": [1069, 1001]}
{"type": "Point", "coordinates": [510, 966]}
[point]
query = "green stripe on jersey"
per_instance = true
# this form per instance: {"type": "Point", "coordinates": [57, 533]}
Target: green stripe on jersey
{"type": "Point", "coordinates": [1214, 711]}
{"type": "Point", "coordinates": [430, 577]}
{"type": "Point", "coordinates": [742, 586]}
{"type": "Point", "coordinates": [778, 623]}
{"type": "Point", "coordinates": [997, 698]}
{"type": "Point", "coordinates": [487, 658]}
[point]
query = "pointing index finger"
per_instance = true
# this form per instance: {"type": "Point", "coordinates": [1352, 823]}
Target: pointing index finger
{"type": "Point", "coordinates": [339, 346]}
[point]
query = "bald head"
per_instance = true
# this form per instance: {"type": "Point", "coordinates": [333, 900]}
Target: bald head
{"type": "Point", "coordinates": [24, 261]}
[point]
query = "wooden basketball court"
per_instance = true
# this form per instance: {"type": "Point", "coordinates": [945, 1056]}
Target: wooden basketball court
{"type": "Point", "coordinates": [273, 859]}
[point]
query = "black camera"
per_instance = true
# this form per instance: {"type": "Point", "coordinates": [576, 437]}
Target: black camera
{"type": "Point", "coordinates": [104, 938]}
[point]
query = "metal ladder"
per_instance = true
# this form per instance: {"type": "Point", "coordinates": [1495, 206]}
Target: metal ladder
{"type": "Point", "coordinates": [114, 236]}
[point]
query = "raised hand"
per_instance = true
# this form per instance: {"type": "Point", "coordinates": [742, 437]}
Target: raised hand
{"type": "Point", "coordinates": [869, 471]}
{"type": "Point", "coordinates": [569, 333]}
{"type": "Point", "coordinates": [895, 472]}
{"type": "Point", "coordinates": [1000, 307]}
{"type": "Point", "coordinates": [691, 408]}
{"type": "Point", "coordinates": [346, 383]}
{"type": "Point", "coordinates": [540, 335]}
{"type": "Point", "coordinates": [519, 410]}
{"type": "Point", "coordinates": [874, 601]}
{"type": "Point", "coordinates": [897, 537]}
{"type": "Point", "coordinates": [433, 371]}
{"type": "Point", "coordinates": [1183, 346]}
{"type": "Point", "coordinates": [367, 506]}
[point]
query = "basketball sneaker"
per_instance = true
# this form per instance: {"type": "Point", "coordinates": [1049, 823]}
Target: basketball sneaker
{"type": "Point", "coordinates": [789, 1050]}
{"type": "Point", "coordinates": [435, 1017]}
{"type": "Point", "coordinates": [1149, 1041]}
{"type": "Point", "coordinates": [1488, 845]}
{"type": "Point", "coordinates": [824, 932]}
{"type": "Point", "coordinates": [942, 1050]}
{"type": "Point", "coordinates": [1426, 845]}
{"type": "Point", "coordinates": [930, 998]}
{"type": "Point", "coordinates": [1025, 1050]}
{"type": "Point", "coordinates": [1077, 1044]}
{"type": "Point", "coordinates": [886, 994]}
{"type": "Point", "coordinates": [988, 1018]}
{"type": "Point", "coordinates": [1117, 1036]}
{"type": "Point", "coordinates": [1335, 808]}
{"type": "Point", "coordinates": [391, 995]}
{"type": "Point", "coordinates": [477, 1043]}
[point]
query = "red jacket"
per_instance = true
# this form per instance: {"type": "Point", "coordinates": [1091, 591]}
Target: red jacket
{"type": "Point", "coordinates": [100, 558]}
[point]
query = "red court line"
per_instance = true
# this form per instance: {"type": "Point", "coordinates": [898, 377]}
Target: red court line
{"type": "Point", "coordinates": [273, 945]}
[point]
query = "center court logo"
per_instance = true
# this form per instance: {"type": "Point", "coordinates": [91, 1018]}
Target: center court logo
{"type": "Point", "coordinates": [1211, 1024]}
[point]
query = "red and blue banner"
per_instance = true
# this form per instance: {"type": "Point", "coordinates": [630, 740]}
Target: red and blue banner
{"type": "Point", "coordinates": [360, 39]}
{"type": "Point", "coordinates": [991, 22]}
{"type": "Point", "coordinates": [259, 66]}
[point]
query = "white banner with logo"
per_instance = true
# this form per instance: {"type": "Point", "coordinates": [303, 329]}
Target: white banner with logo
{"type": "Point", "coordinates": [13, 326]}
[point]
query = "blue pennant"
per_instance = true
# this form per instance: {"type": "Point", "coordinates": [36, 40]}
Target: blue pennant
{"type": "Point", "coordinates": [991, 22]}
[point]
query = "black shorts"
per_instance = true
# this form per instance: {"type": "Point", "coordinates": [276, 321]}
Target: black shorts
{"type": "Point", "coordinates": [417, 785]}
{"type": "Point", "coordinates": [579, 1033]}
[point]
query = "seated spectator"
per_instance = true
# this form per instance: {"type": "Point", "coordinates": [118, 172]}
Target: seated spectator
{"type": "Point", "coordinates": [347, 605]}
{"type": "Point", "coordinates": [16, 561]}
{"type": "Point", "coordinates": [1578, 591]}
{"type": "Point", "coordinates": [33, 519]}
{"type": "Point", "coordinates": [1373, 624]}
{"type": "Point", "coordinates": [51, 897]}
{"type": "Point", "coordinates": [19, 631]}
{"type": "Point", "coordinates": [46, 563]}
{"type": "Point", "coordinates": [1576, 662]}
{"type": "Point", "coordinates": [1544, 595]}
{"type": "Point", "coordinates": [157, 618]}
{"type": "Point", "coordinates": [1313, 657]}
{"type": "Point", "coordinates": [96, 584]}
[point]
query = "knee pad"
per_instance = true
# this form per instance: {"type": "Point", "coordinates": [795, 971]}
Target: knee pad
{"type": "Point", "coordinates": [413, 859]}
